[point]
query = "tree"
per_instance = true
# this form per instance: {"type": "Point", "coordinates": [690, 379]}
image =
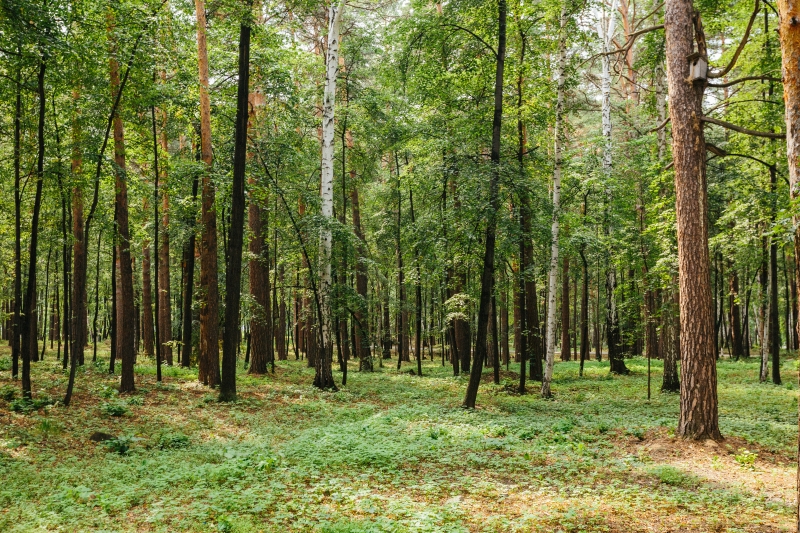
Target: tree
{"type": "Point", "coordinates": [209, 284]}
{"type": "Point", "coordinates": [698, 413]}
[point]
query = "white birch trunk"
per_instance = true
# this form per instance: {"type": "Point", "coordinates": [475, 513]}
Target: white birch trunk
{"type": "Point", "coordinates": [608, 28]}
{"type": "Point", "coordinates": [553, 274]}
{"type": "Point", "coordinates": [326, 185]}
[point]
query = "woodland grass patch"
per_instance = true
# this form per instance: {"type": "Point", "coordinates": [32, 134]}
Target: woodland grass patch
{"type": "Point", "coordinates": [389, 452]}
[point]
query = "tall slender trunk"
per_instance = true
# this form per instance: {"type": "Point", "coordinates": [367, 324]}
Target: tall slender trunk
{"type": "Point", "coordinates": [209, 373]}
{"type": "Point", "coordinates": [553, 274]}
{"type": "Point", "coordinates": [323, 377]}
{"type": "Point", "coordinates": [187, 263]}
{"type": "Point", "coordinates": [125, 305]}
{"type": "Point", "coordinates": [487, 275]}
{"type": "Point", "coordinates": [698, 413]}
{"type": "Point", "coordinates": [29, 345]}
{"type": "Point", "coordinates": [233, 277]}
{"type": "Point", "coordinates": [259, 290]}
{"type": "Point", "coordinates": [735, 314]}
{"type": "Point", "coordinates": [16, 326]}
{"type": "Point", "coordinates": [148, 335]}
{"type": "Point", "coordinates": [164, 286]}
{"type": "Point", "coordinates": [565, 340]}
{"type": "Point", "coordinates": [362, 332]}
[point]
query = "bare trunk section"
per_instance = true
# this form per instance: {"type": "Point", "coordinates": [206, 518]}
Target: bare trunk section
{"type": "Point", "coordinates": [560, 76]}
{"type": "Point", "coordinates": [125, 304]}
{"type": "Point", "coordinates": [699, 413]}
{"type": "Point", "coordinates": [209, 373]}
{"type": "Point", "coordinates": [362, 344]}
{"type": "Point", "coordinates": [487, 275]}
{"type": "Point", "coordinates": [789, 32]}
{"type": "Point", "coordinates": [323, 377]}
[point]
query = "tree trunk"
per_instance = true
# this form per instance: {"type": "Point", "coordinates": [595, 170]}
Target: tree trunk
{"type": "Point", "coordinates": [698, 413]}
{"type": "Point", "coordinates": [187, 264]}
{"type": "Point", "coordinates": [323, 376]}
{"type": "Point", "coordinates": [29, 344]}
{"type": "Point", "coordinates": [789, 32]}
{"type": "Point", "coordinates": [209, 373]}
{"type": "Point", "coordinates": [565, 340]}
{"type": "Point", "coordinates": [259, 290]}
{"type": "Point", "coordinates": [487, 275]}
{"type": "Point", "coordinates": [362, 334]}
{"type": "Point", "coordinates": [148, 335]}
{"type": "Point", "coordinates": [125, 303]}
{"type": "Point", "coordinates": [164, 288]}
{"type": "Point", "coordinates": [233, 276]}
{"type": "Point", "coordinates": [735, 314]}
{"type": "Point", "coordinates": [553, 274]}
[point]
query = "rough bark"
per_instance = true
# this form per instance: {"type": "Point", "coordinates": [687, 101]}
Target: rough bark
{"type": "Point", "coordinates": [125, 303]}
{"type": "Point", "coordinates": [260, 329]}
{"type": "Point", "coordinates": [698, 404]}
{"type": "Point", "coordinates": [209, 372]}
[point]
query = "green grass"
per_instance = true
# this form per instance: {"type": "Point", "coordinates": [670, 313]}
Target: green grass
{"type": "Point", "coordinates": [390, 452]}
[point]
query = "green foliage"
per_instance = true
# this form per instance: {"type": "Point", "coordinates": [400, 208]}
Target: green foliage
{"type": "Point", "coordinates": [113, 408]}
{"type": "Point", "coordinates": [172, 441]}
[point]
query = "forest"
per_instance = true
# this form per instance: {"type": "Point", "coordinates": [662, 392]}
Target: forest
{"type": "Point", "coordinates": [362, 266]}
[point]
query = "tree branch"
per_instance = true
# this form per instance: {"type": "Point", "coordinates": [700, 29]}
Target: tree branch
{"type": "Point", "coordinates": [632, 37]}
{"type": "Point", "coordinates": [456, 26]}
{"type": "Point", "coordinates": [739, 49]}
{"type": "Point", "coordinates": [734, 127]}
{"type": "Point", "coordinates": [742, 80]}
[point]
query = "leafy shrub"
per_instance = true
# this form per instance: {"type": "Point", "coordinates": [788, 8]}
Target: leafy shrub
{"type": "Point", "coordinates": [120, 445]}
{"type": "Point", "coordinates": [746, 458]}
{"type": "Point", "coordinates": [136, 400]}
{"type": "Point", "coordinates": [669, 475]}
{"type": "Point", "coordinates": [8, 393]}
{"type": "Point", "coordinates": [113, 409]}
{"type": "Point", "coordinates": [26, 405]}
{"type": "Point", "coordinates": [172, 441]}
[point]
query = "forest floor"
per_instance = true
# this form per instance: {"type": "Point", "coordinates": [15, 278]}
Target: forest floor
{"type": "Point", "coordinates": [393, 452]}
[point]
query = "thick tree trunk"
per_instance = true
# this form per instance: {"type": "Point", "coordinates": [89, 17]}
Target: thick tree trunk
{"type": "Point", "coordinates": [789, 32]}
{"type": "Point", "coordinates": [209, 373]}
{"type": "Point", "coordinates": [487, 275]}
{"type": "Point", "coordinates": [698, 414]}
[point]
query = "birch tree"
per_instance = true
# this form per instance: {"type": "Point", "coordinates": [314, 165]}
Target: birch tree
{"type": "Point", "coordinates": [552, 278]}
{"type": "Point", "coordinates": [324, 377]}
